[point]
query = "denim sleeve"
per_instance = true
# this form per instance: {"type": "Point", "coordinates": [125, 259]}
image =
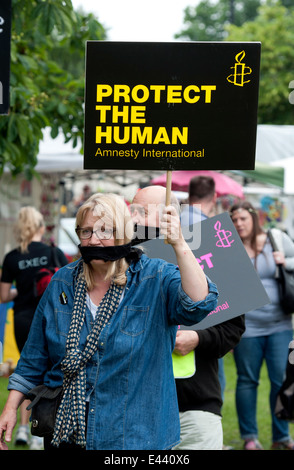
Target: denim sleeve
{"type": "Point", "coordinates": [181, 308]}
{"type": "Point", "coordinates": [16, 382]}
{"type": "Point", "coordinates": [193, 312]}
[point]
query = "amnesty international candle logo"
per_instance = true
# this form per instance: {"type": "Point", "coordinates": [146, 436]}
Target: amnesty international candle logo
{"type": "Point", "coordinates": [223, 236]}
{"type": "Point", "coordinates": [240, 70]}
{"type": "Point", "coordinates": [168, 106]}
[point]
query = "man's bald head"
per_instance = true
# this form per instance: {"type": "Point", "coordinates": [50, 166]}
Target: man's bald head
{"type": "Point", "coordinates": [148, 203]}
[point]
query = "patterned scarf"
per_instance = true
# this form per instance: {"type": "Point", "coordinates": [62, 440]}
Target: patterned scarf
{"type": "Point", "coordinates": [70, 425]}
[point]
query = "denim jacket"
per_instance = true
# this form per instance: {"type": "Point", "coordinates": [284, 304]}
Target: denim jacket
{"type": "Point", "coordinates": [130, 384]}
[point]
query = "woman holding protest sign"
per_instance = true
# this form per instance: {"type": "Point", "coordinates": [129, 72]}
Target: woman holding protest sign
{"type": "Point", "coordinates": [268, 330]}
{"type": "Point", "coordinates": [105, 330]}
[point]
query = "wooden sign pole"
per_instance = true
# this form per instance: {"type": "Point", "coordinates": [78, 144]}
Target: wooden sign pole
{"type": "Point", "coordinates": [168, 191]}
{"type": "Point", "coordinates": [168, 187]}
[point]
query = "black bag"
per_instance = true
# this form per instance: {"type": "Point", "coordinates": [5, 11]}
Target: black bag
{"type": "Point", "coordinates": [44, 275]}
{"type": "Point", "coordinates": [285, 400]}
{"type": "Point", "coordinates": [285, 281]}
{"type": "Point", "coordinates": [44, 405]}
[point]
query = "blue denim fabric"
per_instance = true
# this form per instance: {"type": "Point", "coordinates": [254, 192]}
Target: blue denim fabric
{"type": "Point", "coordinates": [249, 355]}
{"type": "Point", "coordinates": [130, 383]}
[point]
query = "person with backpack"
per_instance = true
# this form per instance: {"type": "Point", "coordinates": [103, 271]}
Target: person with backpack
{"type": "Point", "coordinates": [21, 267]}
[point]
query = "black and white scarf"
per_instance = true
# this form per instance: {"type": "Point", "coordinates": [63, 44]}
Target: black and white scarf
{"type": "Point", "coordinates": [70, 425]}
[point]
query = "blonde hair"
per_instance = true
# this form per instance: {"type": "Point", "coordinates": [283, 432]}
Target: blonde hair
{"type": "Point", "coordinates": [114, 212]}
{"type": "Point", "coordinates": [28, 224]}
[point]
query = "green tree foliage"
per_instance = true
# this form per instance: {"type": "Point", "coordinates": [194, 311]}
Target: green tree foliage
{"type": "Point", "coordinates": [46, 78]}
{"type": "Point", "coordinates": [272, 23]}
{"type": "Point", "coordinates": [208, 20]}
{"type": "Point", "coordinates": [274, 28]}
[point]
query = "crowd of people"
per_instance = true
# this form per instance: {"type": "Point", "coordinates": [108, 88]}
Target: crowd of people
{"type": "Point", "coordinates": [106, 329]}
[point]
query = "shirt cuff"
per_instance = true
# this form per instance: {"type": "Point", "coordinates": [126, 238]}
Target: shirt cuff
{"type": "Point", "coordinates": [209, 302]}
{"type": "Point", "coordinates": [16, 382]}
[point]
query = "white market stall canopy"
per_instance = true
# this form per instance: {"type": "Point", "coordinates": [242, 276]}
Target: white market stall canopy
{"type": "Point", "coordinates": [274, 146]}
{"type": "Point", "coordinates": [57, 156]}
{"type": "Point", "coordinates": [274, 143]}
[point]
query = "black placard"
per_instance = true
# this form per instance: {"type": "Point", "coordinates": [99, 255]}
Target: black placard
{"type": "Point", "coordinates": [171, 106]}
{"type": "Point", "coordinates": [5, 32]}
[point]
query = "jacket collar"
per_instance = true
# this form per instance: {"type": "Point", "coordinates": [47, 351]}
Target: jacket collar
{"type": "Point", "coordinates": [136, 266]}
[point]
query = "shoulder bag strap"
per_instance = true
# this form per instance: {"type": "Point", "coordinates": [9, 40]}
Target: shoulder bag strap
{"type": "Point", "coordinates": [272, 240]}
{"type": "Point", "coordinates": [275, 248]}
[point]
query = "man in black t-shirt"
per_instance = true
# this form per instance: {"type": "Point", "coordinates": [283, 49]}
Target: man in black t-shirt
{"type": "Point", "coordinates": [20, 269]}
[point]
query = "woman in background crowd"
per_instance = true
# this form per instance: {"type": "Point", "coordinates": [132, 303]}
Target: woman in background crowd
{"type": "Point", "coordinates": [19, 269]}
{"type": "Point", "coordinates": [268, 330]}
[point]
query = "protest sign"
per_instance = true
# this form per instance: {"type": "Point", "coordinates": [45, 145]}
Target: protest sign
{"type": "Point", "coordinates": [221, 254]}
{"type": "Point", "coordinates": [5, 32]}
{"type": "Point", "coordinates": [171, 106]}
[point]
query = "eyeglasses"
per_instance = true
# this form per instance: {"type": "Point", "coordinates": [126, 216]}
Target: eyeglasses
{"type": "Point", "coordinates": [101, 233]}
{"type": "Point", "coordinates": [139, 209]}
